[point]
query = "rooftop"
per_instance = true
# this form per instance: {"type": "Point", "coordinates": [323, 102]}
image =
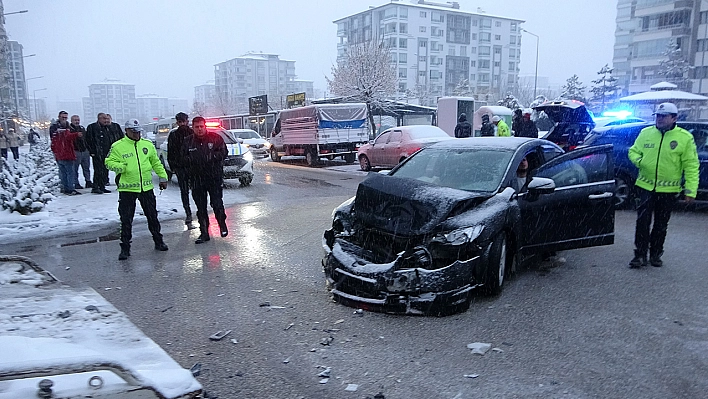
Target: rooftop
{"type": "Point", "coordinates": [430, 6]}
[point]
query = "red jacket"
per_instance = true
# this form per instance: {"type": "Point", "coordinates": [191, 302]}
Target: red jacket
{"type": "Point", "coordinates": [63, 145]}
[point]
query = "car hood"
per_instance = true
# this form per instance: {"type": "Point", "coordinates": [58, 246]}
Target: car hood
{"type": "Point", "coordinates": [408, 207]}
{"type": "Point", "coordinates": [254, 141]}
{"type": "Point", "coordinates": [566, 112]}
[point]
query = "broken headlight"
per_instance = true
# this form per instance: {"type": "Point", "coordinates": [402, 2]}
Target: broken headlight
{"type": "Point", "coordinates": [459, 236]}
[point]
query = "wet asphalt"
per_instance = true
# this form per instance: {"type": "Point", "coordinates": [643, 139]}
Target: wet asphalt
{"type": "Point", "coordinates": [586, 327]}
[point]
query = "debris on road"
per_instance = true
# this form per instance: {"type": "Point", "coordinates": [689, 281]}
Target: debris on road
{"type": "Point", "coordinates": [325, 373]}
{"type": "Point", "coordinates": [234, 341]}
{"type": "Point", "coordinates": [286, 361]}
{"type": "Point", "coordinates": [92, 308]}
{"type": "Point", "coordinates": [498, 350]}
{"type": "Point", "coordinates": [65, 314]}
{"type": "Point", "coordinates": [264, 304]}
{"type": "Point", "coordinates": [166, 309]}
{"type": "Point", "coordinates": [326, 341]}
{"type": "Point", "coordinates": [471, 375]}
{"type": "Point", "coordinates": [479, 348]}
{"type": "Point", "coordinates": [67, 268]}
{"type": "Point", "coordinates": [359, 312]}
{"type": "Point", "coordinates": [351, 387]}
{"type": "Point", "coordinates": [289, 326]}
{"type": "Point", "coordinates": [196, 369]}
{"type": "Point", "coordinates": [219, 335]}
{"type": "Point", "coordinates": [324, 380]}
{"type": "Point", "coordinates": [339, 321]}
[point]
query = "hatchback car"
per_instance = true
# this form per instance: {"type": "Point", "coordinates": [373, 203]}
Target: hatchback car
{"type": "Point", "coordinates": [396, 144]}
{"type": "Point", "coordinates": [452, 218]}
{"type": "Point", "coordinates": [572, 122]}
{"type": "Point", "coordinates": [623, 136]}
{"type": "Point", "coordinates": [257, 144]}
{"type": "Point", "coordinates": [237, 165]}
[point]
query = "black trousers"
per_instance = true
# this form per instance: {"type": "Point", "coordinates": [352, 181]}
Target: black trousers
{"type": "Point", "coordinates": [3, 152]}
{"type": "Point", "coordinates": [15, 152]}
{"type": "Point", "coordinates": [200, 189]}
{"type": "Point", "coordinates": [658, 206]}
{"type": "Point", "coordinates": [126, 210]}
{"type": "Point", "coordinates": [100, 173]}
{"type": "Point", "coordinates": [183, 180]}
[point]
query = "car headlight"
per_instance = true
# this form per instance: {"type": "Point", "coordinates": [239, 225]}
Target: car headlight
{"type": "Point", "coordinates": [459, 236]}
{"type": "Point", "coordinates": [248, 156]}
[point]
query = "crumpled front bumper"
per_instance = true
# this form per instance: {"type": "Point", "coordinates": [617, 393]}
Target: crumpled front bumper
{"type": "Point", "coordinates": [398, 286]}
{"type": "Point", "coordinates": [238, 169]}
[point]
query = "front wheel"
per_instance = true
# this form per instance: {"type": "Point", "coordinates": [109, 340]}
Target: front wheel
{"type": "Point", "coordinates": [496, 266]}
{"type": "Point", "coordinates": [274, 154]}
{"type": "Point", "coordinates": [364, 163]}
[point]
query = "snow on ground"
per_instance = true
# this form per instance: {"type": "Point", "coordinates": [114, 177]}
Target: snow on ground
{"type": "Point", "coordinates": [70, 214]}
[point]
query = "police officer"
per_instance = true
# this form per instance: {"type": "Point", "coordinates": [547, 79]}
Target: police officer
{"type": "Point", "coordinates": [663, 153]}
{"type": "Point", "coordinates": [175, 142]}
{"type": "Point", "coordinates": [502, 127]}
{"type": "Point", "coordinates": [133, 159]}
{"type": "Point", "coordinates": [204, 154]}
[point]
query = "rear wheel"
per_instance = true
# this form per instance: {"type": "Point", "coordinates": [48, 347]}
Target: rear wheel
{"type": "Point", "coordinates": [350, 157]}
{"type": "Point", "coordinates": [311, 157]}
{"type": "Point", "coordinates": [364, 163]}
{"type": "Point", "coordinates": [496, 266]}
{"type": "Point", "coordinates": [274, 154]}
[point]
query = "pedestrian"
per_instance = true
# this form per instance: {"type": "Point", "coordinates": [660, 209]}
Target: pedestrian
{"type": "Point", "coordinates": [516, 122]}
{"type": "Point", "coordinates": [33, 137]}
{"type": "Point", "coordinates": [83, 158]}
{"type": "Point", "coordinates": [100, 135]}
{"type": "Point", "coordinates": [204, 154]}
{"type": "Point", "coordinates": [502, 127]}
{"type": "Point", "coordinates": [487, 129]}
{"type": "Point", "coordinates": [463, 128]}
{"type": "Point", "coordinates": [13, 141]}
{"type": "Point", "coordinates": [175, 158]}
{"type": "Point", "coordinates": [528, 127]}
{"type": "Point", "coordinates": [3, 144]}
{"type": "Point", "coordinates": [133, 159]}
{"type": "Point", "coordinates": [63, 148]}
{"type": "Point", "coordinates": [664, 153]}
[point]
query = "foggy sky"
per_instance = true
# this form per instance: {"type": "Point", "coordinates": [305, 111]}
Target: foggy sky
{"type": "Point", "coordinates": [167, 47]}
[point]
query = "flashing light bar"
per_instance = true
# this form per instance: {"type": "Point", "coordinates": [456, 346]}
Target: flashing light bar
{"type": "Point", "coordinates": [621, 114]}
{"type": "Point", "coordinates": [213, 124]}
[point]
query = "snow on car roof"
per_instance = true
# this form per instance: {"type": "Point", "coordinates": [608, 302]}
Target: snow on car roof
{"type": "Point", "coordinates": [509, 143]}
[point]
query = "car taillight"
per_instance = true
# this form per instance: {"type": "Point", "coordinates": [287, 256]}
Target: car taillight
{"type": "Point", "coordinates": [413, 151]}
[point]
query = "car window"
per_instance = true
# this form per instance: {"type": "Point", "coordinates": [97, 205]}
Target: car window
{"type": "Point", "coordinates": [431, 131]}
{"type": "Point", "coordinates": [227, 137]}
{"type": "Point", "coordinates": [248, 135]}
{"type": "Point", "coordinates": [469, 169]}
{"type": "Point", "coordinates": [700, 136]}
{"type": "Point", "coordinates": [550, 152]}
{"type": "Point", "coordinates": [395, 136]}
{"type": "Point", "coordinates": [383, 138]}
{"type": "Point", "coordinates": [591, 168]}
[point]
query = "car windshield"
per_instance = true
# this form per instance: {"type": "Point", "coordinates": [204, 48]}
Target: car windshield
{"type": "Point", "coordinates": [432, 131]}
{"type": "Point", "coordinates": [247, 135]}
{"type": "Point", "coordinates": [469, 169]}
{"type": "Point", "coordinates": [226, 136]}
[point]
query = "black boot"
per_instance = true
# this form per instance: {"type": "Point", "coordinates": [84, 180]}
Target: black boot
{"type": "Point", "coordinates": [222, 227]}
{"type": "Point", "coordinates": [89, 184]}
{"type": "Point", "coordinates": [161, 246]}
{"type": "Point", "coordinates": [204, 237]}
{"type": "Point", "coordinates": [188, 219]}
{"type": "Point", "coordinates": [124, 251]}
{"type": "Point", "coordinates": [639, 260]}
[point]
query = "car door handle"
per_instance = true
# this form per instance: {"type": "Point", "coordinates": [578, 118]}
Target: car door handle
{"type": "Point", "coordinates": [600, 196]}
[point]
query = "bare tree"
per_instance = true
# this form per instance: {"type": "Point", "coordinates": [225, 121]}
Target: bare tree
{"type": "Point", "coordinates": [199, 108]}
{"type": "Point", "coordinates": [424, 93]}
{"type": "Point", "coordinates": [463, 88]}
{"type": "Point", "coordinates": [223, 103]}
{"type": "Point", "coordinates": [366, 75]}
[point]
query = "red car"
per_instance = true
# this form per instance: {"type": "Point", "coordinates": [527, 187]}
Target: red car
{"type": "Point", "coordinates": [398, 143]}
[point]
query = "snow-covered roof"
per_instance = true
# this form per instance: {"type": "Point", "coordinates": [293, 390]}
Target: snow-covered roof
{"type": "Point", "coordinates": [496, 109]}
{"type": "Point", "coordinates": [112, 82]}
{"type": "Point", "coordinates": [664, 95]}
{"type": "Point", "coordinates": [663, 86]}
{"type": "Point", "coordinates": [414, 3]}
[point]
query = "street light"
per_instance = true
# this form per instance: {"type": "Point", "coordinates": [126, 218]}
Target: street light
{"type": "Point", "coordinates": [27, 56]}
{"type": "Point", "coordinates": [15, 12]}
{"type": "Point", "coordinates": [535, 78]}
{"type": "Point", "coordinates": [34, 96]}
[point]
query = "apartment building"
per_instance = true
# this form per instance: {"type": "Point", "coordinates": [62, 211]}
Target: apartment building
{"type": "Point", "coordinates": [112, 97]}
{"type": "Point", "coordinates": [19, 100]}
{"type": "Point", "coordinates": [644, 28]}
{"type": "Point", "coordinates": [438, 48]}
{"type": "Point", "coordinates": [255, 74]}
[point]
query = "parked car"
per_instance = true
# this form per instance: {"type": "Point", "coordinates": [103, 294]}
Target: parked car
{"type": "Point", "coordinates": [257, 144]}
{"type": "Point", "coordinates": [237, 165]}
{"type": "Point", "coordinates": [623, 136]}
{"type": "Point", "coordinates": [446, 221]}
{"type": "Point", "coordinates": [396, 144]}
{"type": "Point", "coordinates": [603, 121]}
{"type": "Point", "coordinates": [572, 122]}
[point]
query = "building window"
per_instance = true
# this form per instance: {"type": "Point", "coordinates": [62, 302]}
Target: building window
{"type": "Point", "coordinates": [402, 43]}
{"type": "Point", "coordinates": [403, 28]}
{"type": "Point", "coordinates": [483, 64]}
{"type": "Point", "coordinates": [474, 36]}
{"type": "Point", "coordinates": [423, 14]}
{"type": "Point", "coordinates": [423, 44]}
{"type": "Point", "coordinates": [402, 58]}
{"type": "Point", "coordinates": [463, 51]}
{"type": "Point", "coordinates": [421, 74]}
{"type": "Point", "coordinates": [474, 22]}
{"type": "Point", "coordinates": [402, 72]}
{"type": "Point", "coordinates": [473, 77]}
{"type": "Point", "coordinates": [497, 24]}
{"type": "Point", "coordinates": [401, 87]}
{"type": "Point", "coordinates": [497, 64]}
{"type": "Point", "coordinates": [512, 40]}
{"type": "Point", "coordinates": [512, 53]}
{"type": "Point", "coordinates": [496, 37]}
{"type": "Point", "coordinates": [485, 37]}
{"type": "Point", "coordinates": [473, 50]}
{"type": "Point", "coordinates": [513, 27]}
{"type": "Point", "coordinates": [473, 63]}
{"type": "Point", "coordinates": [421, 58]}
{"type": "Point", "coordinates": [451, 50]}
{"type": "Point", "coordinates": [484, 50]}
{"type": "Point", "coordinates": [483, 77]}
{"type": "Point", "coordinates": [423, 29]}
{"type": "Point", "coordinates": [487, 23]}
{"type": "Point", "coordinates": [403, 12]}
{"type": "Point", "coordinates": [497, 50]}
{"type": "Point", "coordinates": [437, 17]}
{"type": "Point", "coordinates": [702, 45]}
{"type": "Point", "coordinates": [512, 66]}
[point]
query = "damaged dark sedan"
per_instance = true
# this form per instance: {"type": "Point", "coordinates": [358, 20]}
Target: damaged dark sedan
{"type": "Point", "coordinates": [461, 215]}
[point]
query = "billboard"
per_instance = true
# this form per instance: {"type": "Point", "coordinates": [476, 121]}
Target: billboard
{"type": "Point", "coordinates": [295, 100]}
{"type": "Point", "coordinates": [258, 105]}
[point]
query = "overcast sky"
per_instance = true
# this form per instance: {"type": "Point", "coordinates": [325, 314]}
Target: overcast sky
{"type": "Point", "coordinates": [167, 47]}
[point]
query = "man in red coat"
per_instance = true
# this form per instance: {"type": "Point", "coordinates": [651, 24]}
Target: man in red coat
{"type": "Point", "coordinates": [63, 149]}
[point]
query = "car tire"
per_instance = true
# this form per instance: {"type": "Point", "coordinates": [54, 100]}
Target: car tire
{"type": "Point", "coordinates": [364, 163]}
{"type": "Point", "coordinates": [497, 265]}
{"type": "Point", "coordinates": [350, 158]}
{"type": "Point", "coordinates": [311, 157]}
{"type": "Point", "coordinates": [274, 154]}
{"type": "Point", "coordinates": [623, 193]}
{"type": "Point", "coordinates": [245, 181]}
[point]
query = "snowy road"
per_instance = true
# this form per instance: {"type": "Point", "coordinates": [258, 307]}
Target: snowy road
{"type": "Point", "coordinates": [589, 327]}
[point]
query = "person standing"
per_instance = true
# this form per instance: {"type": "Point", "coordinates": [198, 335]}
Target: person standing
{"type": "Point", "coordinates": [82, 154]}
{"type": "Point", "coordinates": [502, 127]}
{"type": "Point", "coordinates": [528, 127]}
{"type": "Point", "coordinates": [3, 144]}
{"type": "Point", "coordinates": [33, 137]}
{"type": "Point", "coordinates": [463, 129]}
{"type": "Point", "coordinates": [100, 135]}
{"type": "Point", "coordinates": [175, 158]}
{"type": "Point", "coordinates": [516, 122]}
{"type": "Point", "coordinates": [664, 153]}
{"type": "Point", "coordinates": [133, 159]}
{"type": "Point", "coordinates": [204, 154]}
{"type": "Point", "coordinates": [487, 129]}
{"type": "Point", "coordinates": [63, 148]}
{"type": "Point", "coordinates": [13, 141]}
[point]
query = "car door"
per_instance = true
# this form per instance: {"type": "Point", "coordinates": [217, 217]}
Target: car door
{"type": "Point", "coordinates": [393, 148]}
{"type": "Point", "coordinates": [580, 212]}
{"type": "Point", "coordinates": [378, 148]}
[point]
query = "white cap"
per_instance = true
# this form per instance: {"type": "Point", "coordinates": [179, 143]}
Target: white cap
{"type": "Point", "coordinates": [666, 108]}
{"type": "Point", "coordinates": [496, 118]}
{"type": "Point", "coordinates": [133, 124]}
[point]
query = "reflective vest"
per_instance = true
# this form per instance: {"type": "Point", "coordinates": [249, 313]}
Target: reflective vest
{"type": "Point", "coordinates": [134, 161]}
{"type": "Point", "coordinates": [503, 129]}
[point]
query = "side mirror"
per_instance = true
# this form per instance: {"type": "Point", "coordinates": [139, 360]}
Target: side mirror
{"type": "Point", "coordinates": [371, 142]}
{"type": "Point", "coordinates": [541, 185]}
{"type": "Point", "coordinates": [240, 140]}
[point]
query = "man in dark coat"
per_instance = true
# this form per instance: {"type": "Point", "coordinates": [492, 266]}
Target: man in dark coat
{"type": "Point", "coordinates": [204, 154]}
{"type": "Point", "coordinates": [463, 128]}
{"type": "Point", "coordinates": [175, 158]}
{"type": "Point", "coordinates": [487, 129]}
{"type": "Point", "coordinates": [516, 122]}
{"type": "Point", "coordinates": [100, 135]}
{"type": "Point", "coordinates": [528, 127]}
{"type": "Point", "coordinates": [83, 157]}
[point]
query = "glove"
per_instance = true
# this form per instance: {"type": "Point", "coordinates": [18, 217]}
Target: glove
{"type": "Point", "coordinates": [163, 185]}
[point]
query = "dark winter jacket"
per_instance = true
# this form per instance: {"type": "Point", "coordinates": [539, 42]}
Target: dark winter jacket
{"type": "Point", "coordinates": [528, 129]}
{"type": "Point", "coordinates": [204, 157]}
{"type": "Point", "coordinates": [516, 122]}
{"type": "Point", "coordinates": [463, 128]}
{"type": "Point", "coordinates": [80, 142]}
{"type": "Point", "coordinates": [100, 138]}
{"type": "Point", "coordinates": [175, 143]}
{"type": "Point", "coordinates": [63, 144]}
{"type": "Point", "coordinates": [33, 137]}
